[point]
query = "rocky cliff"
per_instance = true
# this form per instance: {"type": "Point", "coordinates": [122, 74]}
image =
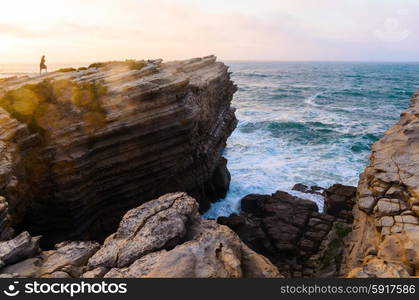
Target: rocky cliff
{"type": "Point", "coordinates": [385, 237]}
{"type": "Point", "coordinates": [80, 148]}
{"type": "Point", "coordinates": [293, 234]}
{"type": "Point", "coordinates": [165, 237]}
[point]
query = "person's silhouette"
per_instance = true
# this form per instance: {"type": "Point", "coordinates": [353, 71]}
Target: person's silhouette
{"type": "Point", "coordinates": [42, 65]}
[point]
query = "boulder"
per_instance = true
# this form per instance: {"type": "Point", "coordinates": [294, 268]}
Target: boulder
{"type": "Point", "coordinates": [167, 238]}
{"type": "Point", "coordinates": [155, 225]}
{"type": "Point", "coordinates": [211, 251]}
{"type": "Point", "coordinates": [308, 190]}
{"type": "Point", "coordinates": [339, 200]}
{"type": "Point", "coordinates": [21, 247]}
{"type": "Point", "coordinates": [288, 230]}
{"type": "Point", "coordinates": [68, 257]}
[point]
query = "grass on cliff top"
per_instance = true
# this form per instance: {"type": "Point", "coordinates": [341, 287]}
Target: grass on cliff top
{"type": "Point", "coordinates": [132, 64]}
{"type": "Point", "coordinates": [43, 105]}
{"type": "Point", "coordinates": [66, 70]}
{"type": "Point", "coordinates": [51, 105]}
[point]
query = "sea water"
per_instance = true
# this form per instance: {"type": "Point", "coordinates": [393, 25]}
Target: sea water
{"type": "Point", "coordinates": [310, 123]}
{"type": "Point", "coordinates": [305, 122]}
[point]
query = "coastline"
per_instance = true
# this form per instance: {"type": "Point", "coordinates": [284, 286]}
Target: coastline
{"type": "Point", "coordinates": [194, 98]}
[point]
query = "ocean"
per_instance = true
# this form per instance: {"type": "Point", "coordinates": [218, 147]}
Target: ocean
{"type": "Point", "coordinates": [302, 122]}
{"type": "Point", "coordinates": [310, 123]}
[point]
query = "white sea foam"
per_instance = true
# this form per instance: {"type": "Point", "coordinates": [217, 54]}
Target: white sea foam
{"type": "Point", "coordinates": [308, 123]}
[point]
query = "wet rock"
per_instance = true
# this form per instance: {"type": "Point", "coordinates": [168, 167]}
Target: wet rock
{"type": "Point", "coordinates": [308, 190]}
{"type": "Point", "coordinates": [253, 204]}
{"type": "Point", "coordinates": [286, 229]}
{"type": "Point", "coordinates": [339, 200]}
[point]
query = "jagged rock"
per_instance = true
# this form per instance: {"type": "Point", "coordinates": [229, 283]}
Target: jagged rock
{"type": "Point", "coordinates": [21, 247]}
{"type": "Point", "coordinates": [95, 273]}
{"type": "Point", "coordinates": [385, 238]}
{"type": "Point", "coordinates": [150, 131]}
{"type": "Point", "coordinates": [10, 276]}
{"type": "Point", "coordinates": [155, 225]}
{"type": "Point", "coordinates": [58, 274]}
{"type": "Point", "coordinates": [253, 204]}
{"type": "Point", "coordinates": [26, 268]}
{"type": "Point", "coordinates": [212, 250]}
{"type": "Point", "coordinates": [286, 229]}
{"type": "Point", "coordinates": [377, 267]}
{"type": "Point", "coordinates": [165, 237]}
{"type": "Point", "coordinates": [68, 257]}
{"type": "Point", "coordinates": [339, 198]}
{"type": "Point", "coordinates": [6, 231]}
{"type": "Point", "coordinates": [308, 190]}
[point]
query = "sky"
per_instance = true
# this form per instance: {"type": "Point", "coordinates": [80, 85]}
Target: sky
{"type": "Point", "coordinates": [296, 30]}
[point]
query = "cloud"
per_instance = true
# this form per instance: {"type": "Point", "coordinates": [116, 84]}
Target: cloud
{"type": "Point", "coordinates": [264, 30]}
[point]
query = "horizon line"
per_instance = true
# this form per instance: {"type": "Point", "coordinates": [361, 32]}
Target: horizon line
{"type": "Point", "coordinates": [227, 60]}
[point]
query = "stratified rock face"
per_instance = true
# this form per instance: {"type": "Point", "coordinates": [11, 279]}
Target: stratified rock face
{"type": "Point", "coordinates": [165, 237]}
{"type": "Point", "coordinates": [156, 129]}
{"type": "Point", "coordinates": [385, 240]}
{"type": "Point", "coordinates": [292, 233]}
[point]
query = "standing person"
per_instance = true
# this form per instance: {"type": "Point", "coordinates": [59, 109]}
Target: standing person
{"type": "Point", "coordinates": [42, 65]}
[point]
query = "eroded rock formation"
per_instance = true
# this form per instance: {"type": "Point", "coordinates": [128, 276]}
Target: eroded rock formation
{"type": "Point", "coordinates": [385, 239]}
{"type": "Point", "coordinates": [165, 237]}
{"type": "Point", "coordinates": [292, 233]}
{"type": "Point", "coordinates": [91, 144]}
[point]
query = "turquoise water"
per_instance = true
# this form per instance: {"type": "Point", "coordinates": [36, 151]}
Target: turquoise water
{"type": "Point", "coordinates": [310, 123]}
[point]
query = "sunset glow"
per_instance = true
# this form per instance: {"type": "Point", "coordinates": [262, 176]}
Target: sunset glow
{"type": "Point", "coordinates": [91, 30]}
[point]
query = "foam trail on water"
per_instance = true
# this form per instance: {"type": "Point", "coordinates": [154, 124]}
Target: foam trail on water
{"type": "Point", "coordinates": [310, 123]}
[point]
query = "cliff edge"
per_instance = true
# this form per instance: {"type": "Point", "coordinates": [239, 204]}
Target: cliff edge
{"type": "Point", "coordinates": [78, 148]}
{"type": "Point", "coordinates": [385, 237]}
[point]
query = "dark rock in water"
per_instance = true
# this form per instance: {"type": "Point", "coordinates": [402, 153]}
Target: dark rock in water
{"type": "Point", "coordinates": [253, 204]}
{"type": "Point", "coordinates": [339, 200]}
{"type": "Point", "coordinates": [308, 190]}
{"type": "Point", "coordinates": [109, 138]}
{"type": "Point", "coordinates": [291, 232]}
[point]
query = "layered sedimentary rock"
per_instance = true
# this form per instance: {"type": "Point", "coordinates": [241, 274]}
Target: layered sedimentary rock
{"type": "Point", "coordinates": [165, 237]}
{"type": "Point", "coordinates": [109, 138]}
{"type": "Point", "coordinates": [292, 233]}
{"type": "Point", "coordinates": [385, 239]}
